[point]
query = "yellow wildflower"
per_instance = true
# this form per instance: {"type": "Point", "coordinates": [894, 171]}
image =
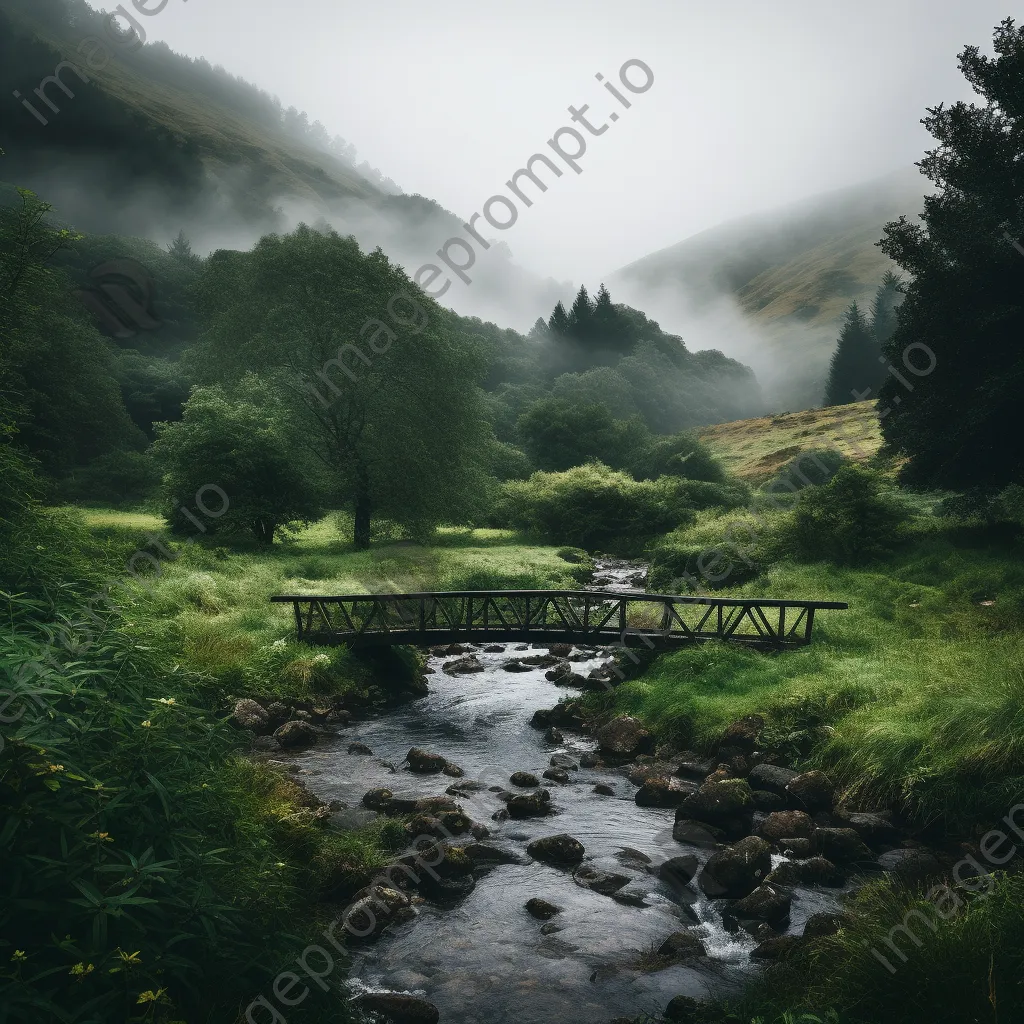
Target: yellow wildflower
{"type": "Point", "coordinates": [19, 955]}
{"type": "Point", "coordinates": [146, 724]}
{"type": "Point", "coordinates": [80, 970]}
{"type": "Point", "coordinates": [149, 996]}
{"type": "Point", "coordinates": [129, 958]}
{"type": "Point", "coordinates": [103, 837]}
{"type": "Point", "coordinates": [166, 700]}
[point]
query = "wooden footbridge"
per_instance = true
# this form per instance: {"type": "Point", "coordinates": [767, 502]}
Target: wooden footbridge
{"type": "Point", "coordinates": [594, 617]}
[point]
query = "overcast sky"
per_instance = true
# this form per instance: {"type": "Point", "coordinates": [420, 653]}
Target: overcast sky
{"type": "Point", "coordinates": [753, 105]}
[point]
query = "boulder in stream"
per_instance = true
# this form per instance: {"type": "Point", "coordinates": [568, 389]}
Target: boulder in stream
{"type": "Point", "coordinates": [530, 805]}
{"type": "Point", "coordinates": [398, 1009]}
{"type": "Point", "coordinates": [663, 792]}
{"type": "Point", "coordinates": [359, 748]}
{"type": "Point", "coordinates": [250, 715]}
{"type": "Point", "coordinates": [743, 733]}
{"type": "Point", "coordinates": [811, 791]}
{"type": "Point", "coordinates": [682, 946]}
{"type": "Point", "coordinates": [296, 734]}
{"type": "Point", "coordinates": [624, 737]}
{"type": "Point", "coordinates": [841, 845]}
{"type": "Point", "coordinates": [541, 909]}
{"type": "Point", "coordinates": [525, 780]}
{"type": "Point", "coordinates": [463, 666]}
{"type": "Point", "coordinates": [423, 762]}
{"type": "Point", "coordinates": [679, 871]}
{"type": "Point", "coordinates": [557, 775]}
{"type": "Point", "coordinates": [786, 825]}
{"type": "Point", "coordinates": [767, 902]}
{"type": "Point", "coordinates": [718, 802]}
{"type": "Point", "coordinates": [737, 870]}
{"type": "Point", "coordinates": [561, 850]}
{"type": "Point", "coordinates": [604, 882]}
{"type": "Point", "coordinates": [772, 778]}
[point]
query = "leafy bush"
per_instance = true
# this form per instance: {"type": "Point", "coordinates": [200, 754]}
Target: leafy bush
{"type": "Point", "coordinates": [808, 469]}
{"type": "Point", "coordinates": [592, 506]}
{"type": "Point", "coordinates": [849, 520]}
{"type": "Point", "coordinates": [239, 450]}
{"type": "Point", "coordinates": [676, 455]}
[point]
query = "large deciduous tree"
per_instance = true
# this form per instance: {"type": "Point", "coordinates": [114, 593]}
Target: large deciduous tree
{"type": "Point", "coordinates": [958, 341]}
{"type": "Point", "coordinates": [382, 382]}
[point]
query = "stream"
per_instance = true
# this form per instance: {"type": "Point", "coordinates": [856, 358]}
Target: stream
{"type": "Point", "coordinates": [485, 960]}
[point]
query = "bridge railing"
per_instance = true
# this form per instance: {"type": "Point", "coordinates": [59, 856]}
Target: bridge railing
{"type": "Point", "coordinates": [580, 616]}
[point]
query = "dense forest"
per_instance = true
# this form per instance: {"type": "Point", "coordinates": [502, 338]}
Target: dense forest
{"type": "Point", "coordinates": [183, 436]}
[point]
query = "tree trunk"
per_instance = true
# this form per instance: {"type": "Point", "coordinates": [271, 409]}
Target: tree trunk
{"type": "Point", "coordinates": [361, 534]}
{"type": "Point", "coordinates": [264, 532]}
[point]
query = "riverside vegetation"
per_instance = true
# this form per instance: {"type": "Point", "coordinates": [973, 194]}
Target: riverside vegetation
{"type": "Point", "coordinates": [152, 871]}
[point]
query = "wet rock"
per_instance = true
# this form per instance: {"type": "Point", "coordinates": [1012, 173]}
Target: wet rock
{"type": "Point", "coordinates": [772, 778]}
{"type": "Point", "coordinates": [624, 736]}
{"type": "Point", "coordinates": [553, 735]}
{"type": "Point", "coordinates": [767, 802]}
{"type": "Point", "coordinates": [500, 815]}
{"type": "Point", "coordinates": [717, 802]}
{"type": "Point", "coordinates": [768, 902]}
{"type": "Point", "coordinates": [664, 792]}
{"type": "Point", "coordinates": [266, 743]}
{"type": "Point", "coordinates": [423, 762]}
{"type": "Point", "coordinates": [819, 926]}
{"type": "Point", "coordinates": [541, 909]}
{"type": "Point", "coordinates": [874, 829]}
{"type": "Point", "coordinates": [590, 760]}
{"type": "Point", "coordinates": [698, 771]}
{"type": "Point", "coordinates": [556, 775]}
{"type": "Point", "coordinates": [455, 823]}
{"type": "Point", "coordinates": [603, 882]}
{"type": "Point", "coordinates": [682, 946]}
{"type": "Point", "coordinates": [684, 1010]}
{"type": "Point", "coordinates": [516, 665]}
{"type": "Point", "coordinates": [631, 899]}
{"type": "Point", "coordinates": [645, 767]}
{"type": "Point", "coordinates": [524, 779]}
{"type": "Point", "coordinates": [786, 825]}
{"type": "Point", "coordinates": [560, 850]}
{"type": "Point", "coordinates": [359, 748]}
{"type": "Point", "coordinates": [448, 650]}
{"type": "Point", "coordinates": [463, 666]}
{"type": "Point", "coordinates": [278, 713]}
{"type": "Point", "coordinates": [540, 661]}
{"type": "Point", "coordinates": [339, 716]}
{"type": "Point", "coordinates": [820, 871]}
{"type": "Point", "coordinates": [483, 853]}
{"type": "Point", "coordinates": [398, 1009]}
{"type": "Point", "coordinates": [632, 858]}
{"type": "Point", "coordinates": [560, 650]}
{"type": "Point", "coordinates": [522, 647]}
{"type": "Point", "coordinates": [911, 863]}
{"type": "Point", "coordinates": [373, 910]}
{"type": "Point", "coordinates": [377, 799]}
{"type": "Point", "coordinates": [296, 734]}
{"type": "Point", "coordinates": [679, 871]}
{"type": "Point", "coordinates": [465, 788]}
{"type": "Point", "coordinates": [603, 789]}
{"type": "Point", "coordinates": [530, 805]}
{"type": "Point", "coordinates": [797, 847]}
{"type": "Point", "coordinates": [841, 845]}
{"type": "Point", "coordinates": [250, 715]}
{"type": "Point", "coordinates": [453, 770]}
{"type": "Point", "coordinates": [811, 791]}
{"type": "Point", "coordinates": [778, 948]}
{"type": "Point", "coordinates": [563, 761]}
{"type": "Point", "coordinates": [737, 870]}
{"type": "Point", "coordinates": [550, 928]}
{"type": "Point", "coordinates": [566, 714]}
{"type": "Point", "coordinates": [697, 833]}
{"type": "Point", "coordinates": [494, 649]}
{"type": "Point", "coordinates": [743, 733]}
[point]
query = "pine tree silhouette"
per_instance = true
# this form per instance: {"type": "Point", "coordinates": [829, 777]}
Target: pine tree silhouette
{"type": "Point", "coordinates": [855, 368]}
{"type": "Point", "coordinates": [559, 320]}
{"type": "Point", "coordinates": [581, 316]}
{"type": "Point", "coordinates": [181, 249]}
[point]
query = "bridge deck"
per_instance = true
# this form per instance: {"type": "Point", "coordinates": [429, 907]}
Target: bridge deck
{"type": "Point", "coordinates": [656, 621]}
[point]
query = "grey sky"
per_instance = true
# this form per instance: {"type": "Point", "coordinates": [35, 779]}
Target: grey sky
{"type": "Point", "coordinates": [754, 104]}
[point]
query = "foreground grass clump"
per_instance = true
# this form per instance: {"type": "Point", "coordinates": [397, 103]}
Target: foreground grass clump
{"type": "Point", "coordinates": [149, 872]}
{"type": "Point", "coordinates": [210, 605]}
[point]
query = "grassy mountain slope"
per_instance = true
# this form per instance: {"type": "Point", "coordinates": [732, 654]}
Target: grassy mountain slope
{"type": "Point", "coordinates": [755, 450]}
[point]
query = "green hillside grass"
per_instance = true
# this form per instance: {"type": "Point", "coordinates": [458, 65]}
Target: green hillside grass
{"type": "Point", "coordinates": [755, 450]}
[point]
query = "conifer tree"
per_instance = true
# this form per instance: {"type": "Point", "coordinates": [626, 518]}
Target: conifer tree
{"type": "Point", "coordinates": [581, 316]}
{"type": "Point", "coordinates": [559, 321]}
{"type": "Point", "coordinates": [855, 369]}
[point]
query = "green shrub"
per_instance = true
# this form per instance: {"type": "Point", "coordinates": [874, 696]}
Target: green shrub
{"type": "Point", "coordinates": [813, 468]}
{"type": "Point", "coordinates": [593, 506]}
{"type": "Point", "coordinates": [848, 521]}
{"type": "Point", "coordinates": [682, 454]}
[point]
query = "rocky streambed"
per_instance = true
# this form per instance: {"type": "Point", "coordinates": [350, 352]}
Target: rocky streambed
{"type": "Point", "coordinates": [559, 872]}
